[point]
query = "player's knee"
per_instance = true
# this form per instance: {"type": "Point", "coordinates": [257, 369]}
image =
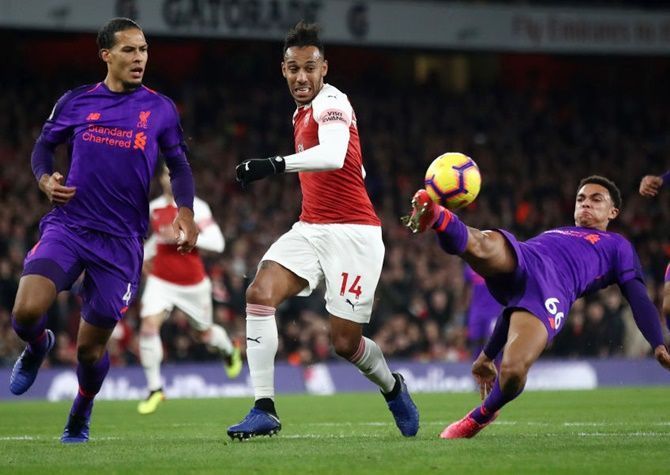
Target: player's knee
{"type": "Point", "coordinates": [27, 310]}
{"type": "Point", "coordinates": [149, 327]}
{"type": "Point", "coordinates": [260, 295]}
{"type": "Point", "coordinates": [513, 376]}
{"type": "Point", "coordinates": [89, 354]}
{"type": "Point", "coordinates": [345, 346]}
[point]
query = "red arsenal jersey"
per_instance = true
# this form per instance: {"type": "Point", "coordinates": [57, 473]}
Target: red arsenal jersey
{"type": "Point", "coordinates": [335, 196]}
{"type": "Point", "coordinates": [169, 264]}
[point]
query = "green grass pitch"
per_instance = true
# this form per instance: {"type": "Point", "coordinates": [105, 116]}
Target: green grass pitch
{"type": "Point", "coordinates": [605, 431]}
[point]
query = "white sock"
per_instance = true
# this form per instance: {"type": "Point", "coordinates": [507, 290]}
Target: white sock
{"type": "Point", "coordinates": [369, 359]}
{"type": "Point", "coordinates": [262, 343]}
{"type": "Point", "coordinates": [151, 355]}
{"type": "Point", "coordinates": [218, 338]}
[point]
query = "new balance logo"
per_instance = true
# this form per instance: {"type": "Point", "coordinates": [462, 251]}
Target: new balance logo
{"type": "Point", "coordinates": [353, 305]}
{"type": "Point", "coordinates": [592, 238]}
{"type": "Point", "coordinates": [257, 339]}
{"type": "Point", "coordinates": [93, 116]}
{"type": "Point", "coordinates": [140, 141]}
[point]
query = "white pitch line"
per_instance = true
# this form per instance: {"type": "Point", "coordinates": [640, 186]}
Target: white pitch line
{"type": "Point", "coordinates": [37, 437]}
{"type": "Point", "coordinates": [322, 436]}
{"type": "Point", "coordinates": [623, 434]}
{"type": "Point", "coordinates": [497, 423]}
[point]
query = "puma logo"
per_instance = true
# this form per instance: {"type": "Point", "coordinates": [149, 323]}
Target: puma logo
{"type": "Point", "coordinates": [246, 166]}
{"type": "Point", "coordinates": [353, 305]}
{"type": "Point", "coordinates": [257, 340]}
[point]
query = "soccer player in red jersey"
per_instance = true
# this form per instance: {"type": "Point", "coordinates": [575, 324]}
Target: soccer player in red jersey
{"type": "Point", "coordinates": [338, 240]}
{"type": "Point", "coordinates": [178, 280]}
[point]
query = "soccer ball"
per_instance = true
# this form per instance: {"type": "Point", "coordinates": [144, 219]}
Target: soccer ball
{"type": "Point", "coordinates": [453, 180]}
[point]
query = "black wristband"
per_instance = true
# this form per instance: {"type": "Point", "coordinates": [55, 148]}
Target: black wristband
{"type": "Point", "coordinates": [278, 163]}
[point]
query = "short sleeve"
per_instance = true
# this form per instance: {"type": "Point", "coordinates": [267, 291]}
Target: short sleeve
{"type": "Point", "coordinates": [332, 107]}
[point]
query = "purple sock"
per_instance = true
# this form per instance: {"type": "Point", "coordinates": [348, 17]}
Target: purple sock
{"type": "Point", "coordinates": [90, 381]}
{"type": "Point", "coordinates": [492, 404]}
{"type": "Point", "coordinates": [452, 234]}
{"type": "Point", "coordinates": [35, 335]}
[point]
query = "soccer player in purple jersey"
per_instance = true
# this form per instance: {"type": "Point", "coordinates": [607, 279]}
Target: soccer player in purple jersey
{"type": "Point", "coordinates": [650, 186]}
{"type": "Point", "coordinates": [483, 310]}
{"type": "Point", "coordinates": [537, 281]}
{"type": "Point", "coordinates": [114, 130]}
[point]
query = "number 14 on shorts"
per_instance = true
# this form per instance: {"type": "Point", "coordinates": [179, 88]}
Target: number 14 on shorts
{"type": "Point", "coordinates": [355, 287]}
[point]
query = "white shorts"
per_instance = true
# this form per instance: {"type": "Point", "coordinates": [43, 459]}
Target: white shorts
{"type": "Point", "coordinates": [194, 300]}
{"type": "Point", "coordinates": [349, 257]}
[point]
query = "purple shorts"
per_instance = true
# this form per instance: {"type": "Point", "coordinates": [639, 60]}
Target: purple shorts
{"type": "Point", "coordinates": [534, 286]}
{"type": "Point", "coordinates": [112, 268]}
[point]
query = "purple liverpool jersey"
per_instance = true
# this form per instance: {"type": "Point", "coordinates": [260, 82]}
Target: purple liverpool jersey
{"type": "Point", "coordinates": [483, 309]}
{"type": "Point", "coordinates": [113, 141]}
{"type": "Point", "coordinates": [560, 265]}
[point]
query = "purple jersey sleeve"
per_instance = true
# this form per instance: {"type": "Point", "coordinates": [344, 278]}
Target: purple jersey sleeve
{"type": "Point", "coordinates": [498, 338]}
{"type": "Point", "coordinates": [644, 311]}
{"type": "Point", "coordinates": [666, 178]}
{"type": "Point", "coordinates": [56, 130]}
{"type": "Point", "coordinates": [42, 158]}
{"type": "Point", "coordinates": [173, 147]}
{"type": "Point", "coordinates": [172, 135]}
{"type": "Point", "coordinates": [628, 264]}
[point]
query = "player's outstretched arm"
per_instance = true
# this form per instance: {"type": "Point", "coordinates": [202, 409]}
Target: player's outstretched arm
{"type": "Point", "coordinates": [646, 318]}
{"type": "Point", "coordinates": [328, 155]}
{"type": "Point", "coordinates": [258, 168]}
{"type": "Point", "coordinates": [52, 186]}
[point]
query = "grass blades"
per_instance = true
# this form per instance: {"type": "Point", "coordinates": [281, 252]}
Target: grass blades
{"type": "Point", "coordinates": [583, 432]}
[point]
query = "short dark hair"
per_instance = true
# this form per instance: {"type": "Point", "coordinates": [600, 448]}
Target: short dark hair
{"type": "Point", "coordinates": [106, 38]}
{"type": "Point", "coordinates": [613, 190]}
{"type": "Point", "coordinates": [304, 34]}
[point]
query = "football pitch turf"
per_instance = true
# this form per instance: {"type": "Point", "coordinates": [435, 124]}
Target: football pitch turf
{"type": "Point", "coordinates": [604, 431]}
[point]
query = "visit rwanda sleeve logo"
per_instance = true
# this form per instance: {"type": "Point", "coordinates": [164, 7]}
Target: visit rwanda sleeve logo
{"type": "Point", "coordinates": [142, 123]}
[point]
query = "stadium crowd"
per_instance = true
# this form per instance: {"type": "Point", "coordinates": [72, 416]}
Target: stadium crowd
{"type": "Point", "coordinates": [532, 143]}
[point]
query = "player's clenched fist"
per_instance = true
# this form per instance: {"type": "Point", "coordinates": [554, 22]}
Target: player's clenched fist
{"type": "Point", "coordinates": [650, 185]}
{"type": "Point", "coordinates": [257, 168]}
{"type": "Point", "coordinates": [52, 186]}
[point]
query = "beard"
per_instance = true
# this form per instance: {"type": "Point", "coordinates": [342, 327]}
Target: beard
{"type": "Point", "coordinates": [131, 86]}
